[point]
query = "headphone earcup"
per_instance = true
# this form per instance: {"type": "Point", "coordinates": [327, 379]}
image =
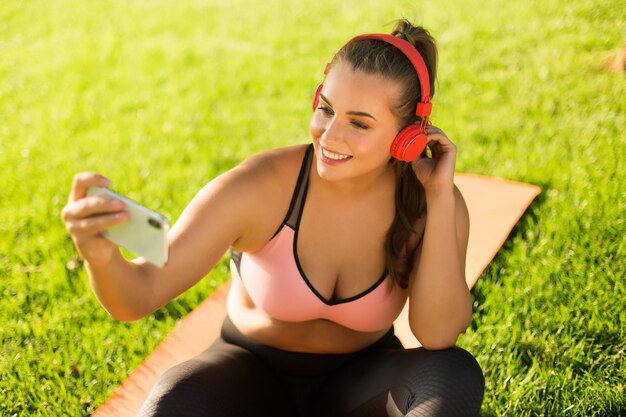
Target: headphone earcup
{"type": "Point", "coordinates": [316, 97]}
{"type": "Point", "coordinates": [409, 143]}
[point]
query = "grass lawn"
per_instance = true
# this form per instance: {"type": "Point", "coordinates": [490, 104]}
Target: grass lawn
{"type": "Point", "coordinates": [162, 96]}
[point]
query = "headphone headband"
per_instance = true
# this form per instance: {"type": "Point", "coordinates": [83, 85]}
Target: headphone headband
{"type": "Point", "coordinates": [424, 107]}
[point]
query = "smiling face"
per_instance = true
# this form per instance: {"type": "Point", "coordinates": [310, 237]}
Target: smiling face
{"type": "Point", "coordinates": [353, 125]}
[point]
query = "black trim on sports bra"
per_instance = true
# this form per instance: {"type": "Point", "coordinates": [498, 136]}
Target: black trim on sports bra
{"type": "Point", "coordinates": [299, 192]}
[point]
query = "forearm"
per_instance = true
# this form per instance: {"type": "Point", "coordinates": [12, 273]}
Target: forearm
{"type": "Point", "coordinates": [122, 288]}
{"type": "Point", "coordinates": [440, 302]}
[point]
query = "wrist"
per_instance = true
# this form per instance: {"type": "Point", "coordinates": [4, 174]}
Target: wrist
{"type": "Point", "coordinates": [440, 191]}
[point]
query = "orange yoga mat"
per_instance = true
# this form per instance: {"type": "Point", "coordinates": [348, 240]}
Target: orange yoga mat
{"type": "Point", "coordinates": [494, 205]}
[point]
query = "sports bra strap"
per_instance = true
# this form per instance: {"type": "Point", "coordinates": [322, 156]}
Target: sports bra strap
{"type": "Point", "coordinates": [300, 191]}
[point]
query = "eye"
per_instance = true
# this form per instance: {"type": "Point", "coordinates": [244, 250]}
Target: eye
{"type": "Point", "coordinates": [359, 125]}
{"type": "Point", "coordinates": [326, 110]}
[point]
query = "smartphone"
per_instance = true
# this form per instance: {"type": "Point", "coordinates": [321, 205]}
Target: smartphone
{"type": "Point", "coordinates": [144, 234]}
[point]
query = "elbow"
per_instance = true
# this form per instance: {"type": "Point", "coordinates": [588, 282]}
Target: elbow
{"type": "Point", "coordinates": [438, 346]}
{"type": "Point", "coordinates": [126, 318]}
{"type": "Point", "coordinates": [440, 342]}
{"type": "Point", "coordinates": [125, 315]}
{"type": "Point", "coordinates": [440, 337]}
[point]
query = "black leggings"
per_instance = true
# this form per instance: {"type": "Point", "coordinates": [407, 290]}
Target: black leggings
{"type": "Point", "coordinates": [237, 377]}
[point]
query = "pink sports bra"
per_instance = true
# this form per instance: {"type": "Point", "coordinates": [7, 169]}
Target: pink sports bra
{"type": "Point", "coordinates": [276, 282]}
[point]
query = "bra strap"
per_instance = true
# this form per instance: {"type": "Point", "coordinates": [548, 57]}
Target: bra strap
{"type": "Point", "coordinates": [299, 193]}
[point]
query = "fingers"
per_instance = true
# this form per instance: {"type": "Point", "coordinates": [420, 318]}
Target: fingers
{"type": "Point", "coordinates": [435, 170]}
{"type": "Point", "coordinates": [82, 181]}
{"type": "Point", "coordinates": [438, 142]}
{"type": "Point", "coordinates": [95, 224]}
{"type": "Point", "coordinates": [86, 217]}
{"type": "Point", "coordinates": [91, 215]}
{"type": "Point", "coordinates": [89, 206]}
{"type": "Point", "coordinates": [437, 135]}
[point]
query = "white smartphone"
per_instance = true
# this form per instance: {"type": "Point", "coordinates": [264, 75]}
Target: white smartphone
{"type": "Point", "coordinates": [144, 234]}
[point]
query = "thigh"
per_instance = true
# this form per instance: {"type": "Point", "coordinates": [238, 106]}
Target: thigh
{"type": "Point", "coordinates": [408, 382]}
{"type": "Point", "coordinates": [225, 380]}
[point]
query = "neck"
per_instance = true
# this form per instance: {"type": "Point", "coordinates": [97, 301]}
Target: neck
{"type": "Point", "coordinates": [367, 185]}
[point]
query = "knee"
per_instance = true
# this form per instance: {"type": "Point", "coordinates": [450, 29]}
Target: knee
{"type": "Point", "coordinates": [455, 367]}
{"type": "Point", "coordinates": [182, 377]}
{"type": "Point", "coordinates": [178, 389]}
{"type": "Point", "coordinates": [465, 370]}
{"type": "Point", "coordinates": [453, 376]}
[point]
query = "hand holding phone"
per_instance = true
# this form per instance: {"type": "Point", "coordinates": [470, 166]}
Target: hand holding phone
{"type": "Point", "coordinates": [144, 234]}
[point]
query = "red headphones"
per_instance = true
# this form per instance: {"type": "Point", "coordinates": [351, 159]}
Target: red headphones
{"type": "Point", "coordinates": [411, 141]}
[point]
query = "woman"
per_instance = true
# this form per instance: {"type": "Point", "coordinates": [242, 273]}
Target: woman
{"type": "Point", "coordinates": [327, 240]}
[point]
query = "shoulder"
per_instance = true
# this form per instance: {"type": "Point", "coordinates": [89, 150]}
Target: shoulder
{"type": "Point", "coordinates": [263, 174]}
{"type": "Point", "coordinates": [272, 164]}
{"type": "Point", "coordinates": [258, 192]}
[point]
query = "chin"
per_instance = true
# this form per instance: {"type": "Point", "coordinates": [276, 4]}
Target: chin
{"type": "Point", "coordinates": [329, 173]}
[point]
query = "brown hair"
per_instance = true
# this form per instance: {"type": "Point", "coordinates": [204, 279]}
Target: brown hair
{"type": "Point", "coordinates": [381, 58]}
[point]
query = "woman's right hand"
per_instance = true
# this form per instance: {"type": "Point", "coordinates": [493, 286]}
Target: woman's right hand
{"type": "Point", "coordinates": [86, 217]}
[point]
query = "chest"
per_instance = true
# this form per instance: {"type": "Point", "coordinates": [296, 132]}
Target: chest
{"type": "Point", "coordinates": [341, 245]}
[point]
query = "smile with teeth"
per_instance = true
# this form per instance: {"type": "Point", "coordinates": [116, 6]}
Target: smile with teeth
{"type": "Point", "coordinates": [334, 156]}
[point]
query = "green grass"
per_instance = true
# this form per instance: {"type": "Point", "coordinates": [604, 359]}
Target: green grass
{"type": "Point", "coordinates": [162, 96]}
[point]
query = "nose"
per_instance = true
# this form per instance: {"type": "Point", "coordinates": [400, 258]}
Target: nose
{"type": "Point", "coordinates": [325, 128]}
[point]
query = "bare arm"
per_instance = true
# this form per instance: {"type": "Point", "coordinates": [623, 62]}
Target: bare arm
{"type": "Point", "coordinates": [440, 302]}
{"type": "Point", "coordinates": [220, 214]}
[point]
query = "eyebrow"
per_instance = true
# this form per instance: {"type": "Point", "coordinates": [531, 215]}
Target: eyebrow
{"type": "Point", "coordinates": [352, 113]}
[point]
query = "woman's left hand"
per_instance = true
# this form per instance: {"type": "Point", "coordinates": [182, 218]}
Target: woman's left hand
{"type": "Point", "coordinates": [437, 171]}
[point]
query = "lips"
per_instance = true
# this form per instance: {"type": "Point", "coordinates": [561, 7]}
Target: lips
{"type": "Point", "coordinates": [334, 156]}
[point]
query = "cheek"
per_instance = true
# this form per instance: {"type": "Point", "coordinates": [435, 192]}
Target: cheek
{"type": "Point", "coordinates": [382, 145]}
{"type": "Point", "coordinates": [373, 151]}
